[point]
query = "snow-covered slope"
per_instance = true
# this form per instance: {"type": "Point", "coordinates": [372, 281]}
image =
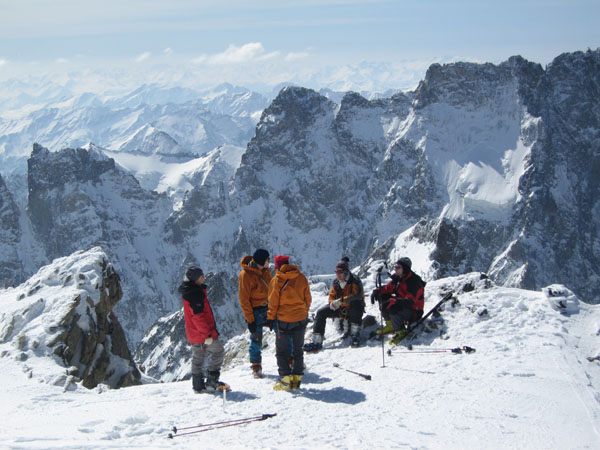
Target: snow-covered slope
{"type": "Point", "coordinates": [528, 385]}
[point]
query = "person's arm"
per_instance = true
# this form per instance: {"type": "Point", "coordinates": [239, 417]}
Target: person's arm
{"type": "Point", "coordinates": [244, 296]}
{"type": "Point", "coordinates": [274, 292]}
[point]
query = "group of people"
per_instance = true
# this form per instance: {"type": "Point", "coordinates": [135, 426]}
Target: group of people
{"type": "Point", "coordinates": [281, 303]}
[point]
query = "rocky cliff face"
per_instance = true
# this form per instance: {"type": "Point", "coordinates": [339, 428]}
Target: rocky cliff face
{"type": "Point", "coordinates": [11, 268]}
{"type": "Point", "coordinates": [558, 212]}
{"type": "Point", "coordinates": [79, 199]}
{"type": "Point", "coordinates": [64, 315]}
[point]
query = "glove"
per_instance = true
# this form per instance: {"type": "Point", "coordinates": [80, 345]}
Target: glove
{"type": "Point", "coordinates": [197, 308]}
{"type": "Point", "coordinates": [208, 340]}
{"type": "Point", "coordinates": [335, 304]}
{"type": "Point", "coordinates": [269, 323]}
{"type": "Point", "coordinates": [374, 296]}
{"type": "Point", "coordinates": [391, 302]}
{"type": "Point", "coordinates": [252, 327]}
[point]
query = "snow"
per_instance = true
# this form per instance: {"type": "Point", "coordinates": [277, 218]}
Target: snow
{"type": "Point", "coordinates": [528, 385]}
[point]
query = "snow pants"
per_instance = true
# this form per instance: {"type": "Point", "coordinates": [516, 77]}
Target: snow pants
{"type": "Point", "coordinates": [354, 315]}
{"type": "Point", "coordinates": [214, 350]}
{"type": "Point", "coordinates": [290, 332]}
{"type": "Point", "coordinates": [400, 312]}
{"type": "Point", "coordinates": [260, 318]}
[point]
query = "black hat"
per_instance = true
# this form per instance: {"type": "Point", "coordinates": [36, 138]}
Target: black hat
{"type": "Point", "coordinates": [260, 256]}
{"type": "Point", "coordinates": [405, 262]}
{"type": "Point", "coordinates": [193, 273]}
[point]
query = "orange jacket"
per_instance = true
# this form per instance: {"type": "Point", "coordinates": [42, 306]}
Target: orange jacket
{"type": "Point", "coordinates": [353, 290]}
{"type": "Point", "coordinates": [289, 295]}
{"type": "Point", "coordinates": [253, 287]}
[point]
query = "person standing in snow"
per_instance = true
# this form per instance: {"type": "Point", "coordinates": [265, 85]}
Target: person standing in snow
{"type": "Point", "coordinates": [201, 332]}
{"type": "Point", "coordinates": [346, 301]}
{"type": "Point", "coordinates": [253, 290]}
{"type": "Point", "coordinates": [289, 302]}
{"type": "Point", "coordinates": [401, 300]}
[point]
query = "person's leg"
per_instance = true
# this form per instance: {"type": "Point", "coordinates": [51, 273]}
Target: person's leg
{"type": "Point", "coordinates": [198, 355]}
{"type": "Point", "coordinates": [297, 343]}
{"type": "Point", "coordinates": [216, 350]}
{"type": "Point", "coordinates": [260, 317]}
{"type": "Point", "coordinates": [282, 351]}
{"type": "Point", "coordinates": [298, 354]}
{"type": "Point", "coordinates": [284, 383]}
{"type": "Point", "coordinates": [400, 312]}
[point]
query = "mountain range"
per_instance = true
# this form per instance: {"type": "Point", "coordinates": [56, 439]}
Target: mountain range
{"type": "Point", "coordinates": [486, 168]}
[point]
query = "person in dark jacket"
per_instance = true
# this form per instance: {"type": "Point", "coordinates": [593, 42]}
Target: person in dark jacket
{"type": "Point", "coordinates": [401, 300]}
{"type": "Point", "coordinates": [346, 301]}
{"type": "Point", "coordinates": [201, 332]}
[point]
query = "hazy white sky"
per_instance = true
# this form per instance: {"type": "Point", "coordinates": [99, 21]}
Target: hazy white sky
{"type": "Point", "coordinates": [281, 35]}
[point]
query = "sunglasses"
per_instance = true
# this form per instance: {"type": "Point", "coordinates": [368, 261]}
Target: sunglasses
{"type": "Point", "coordinates": [339, 271]}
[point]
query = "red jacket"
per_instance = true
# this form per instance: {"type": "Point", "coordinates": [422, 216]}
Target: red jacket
{"type": "Point", "coordinates": [198, 315]}
{"type": "Point", "coordinates": [411, 287]}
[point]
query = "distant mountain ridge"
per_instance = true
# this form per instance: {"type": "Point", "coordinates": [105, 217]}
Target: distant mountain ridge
{"type": "Point", "coordinates": [489, 168]}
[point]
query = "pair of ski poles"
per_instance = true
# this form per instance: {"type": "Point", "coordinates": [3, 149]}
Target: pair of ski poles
{"type": "Point", "coordinates": [212, 426]}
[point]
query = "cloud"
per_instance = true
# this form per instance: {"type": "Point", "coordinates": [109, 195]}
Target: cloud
{"type": "Point", "coordinates": [143, 57]}
{"type": "Point", "coordinates": [251, 52]}
{"type": "Point", "coordinates": [61, 60]}
{"type": "Point", "coordinates": [167, 51]}
{"type": "Point", "coordinates": [2, 62]}
{"type": "Point", "coordinates": [296, 56]}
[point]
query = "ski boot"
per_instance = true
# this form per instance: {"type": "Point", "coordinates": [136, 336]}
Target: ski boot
{"type": "Point", "coordinates": [257, 370]}
{"type": "Point", "coordinates": [213, 384]}
{"type": "Point", "coordinates": [315, 345]}
{"type": "Point", "coordinates": [198, 384]}
{"type": "Point", "coordinates": [388, 329]}
{"type": "Point", "coordinates": [354, 335]}
{"type": "Point", "coordinates": [401, 334]}
{"type": "Point", "coordinates": [284, 383]}
{"type": "Point", "coordinates": [296, 381]}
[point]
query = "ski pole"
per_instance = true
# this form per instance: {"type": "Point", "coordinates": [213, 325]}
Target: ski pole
{"type": "Point", "coordinates": [223, 424]}
{"type": "Point", "coordinates": [378, 286]}
{"type": "Point", "coordinates": [366, 377]}
{"type": "Point", "coordinates": [457, 350]}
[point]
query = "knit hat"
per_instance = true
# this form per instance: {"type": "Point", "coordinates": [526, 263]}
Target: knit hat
{"type": "Point", "coordinates": [260, 256]}
{"type": "Point", "coordinates": [193, 273]}
{"type": "Point", "coordinates": [280, 260]}
{"type": "Point", "coordinates": [406, 264]}
{"type": "Point", "coordinates": [342, 265]}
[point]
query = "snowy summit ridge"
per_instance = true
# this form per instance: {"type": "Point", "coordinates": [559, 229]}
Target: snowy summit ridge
{"type": "Point", "coordinates": [60, 325]}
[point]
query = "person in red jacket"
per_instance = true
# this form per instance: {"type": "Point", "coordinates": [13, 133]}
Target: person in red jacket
{"type": "Point", "coordinates": [201, 332]}
{"type": "Point", "coordinates": [401, 300]}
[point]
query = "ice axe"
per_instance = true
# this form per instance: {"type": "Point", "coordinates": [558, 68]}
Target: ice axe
{"type": "Point", "coordinates": [366, 377]}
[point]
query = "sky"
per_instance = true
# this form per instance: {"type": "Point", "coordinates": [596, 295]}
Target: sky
{"type": "Point", "coordinates": [273, 39]}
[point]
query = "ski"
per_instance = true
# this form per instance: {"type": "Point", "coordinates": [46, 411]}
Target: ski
{"type": "Point", "coordinates": [413, 327]}
{"type": "Point", "coordinates": [212, 426]}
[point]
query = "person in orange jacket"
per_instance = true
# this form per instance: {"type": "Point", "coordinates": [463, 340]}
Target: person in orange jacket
{"type": "Point", "coordinates": [253, 290]}
{"type": "Point", "coordinates": [289, 302]}
{"type": "Point", "coordinates": [346, 301]}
